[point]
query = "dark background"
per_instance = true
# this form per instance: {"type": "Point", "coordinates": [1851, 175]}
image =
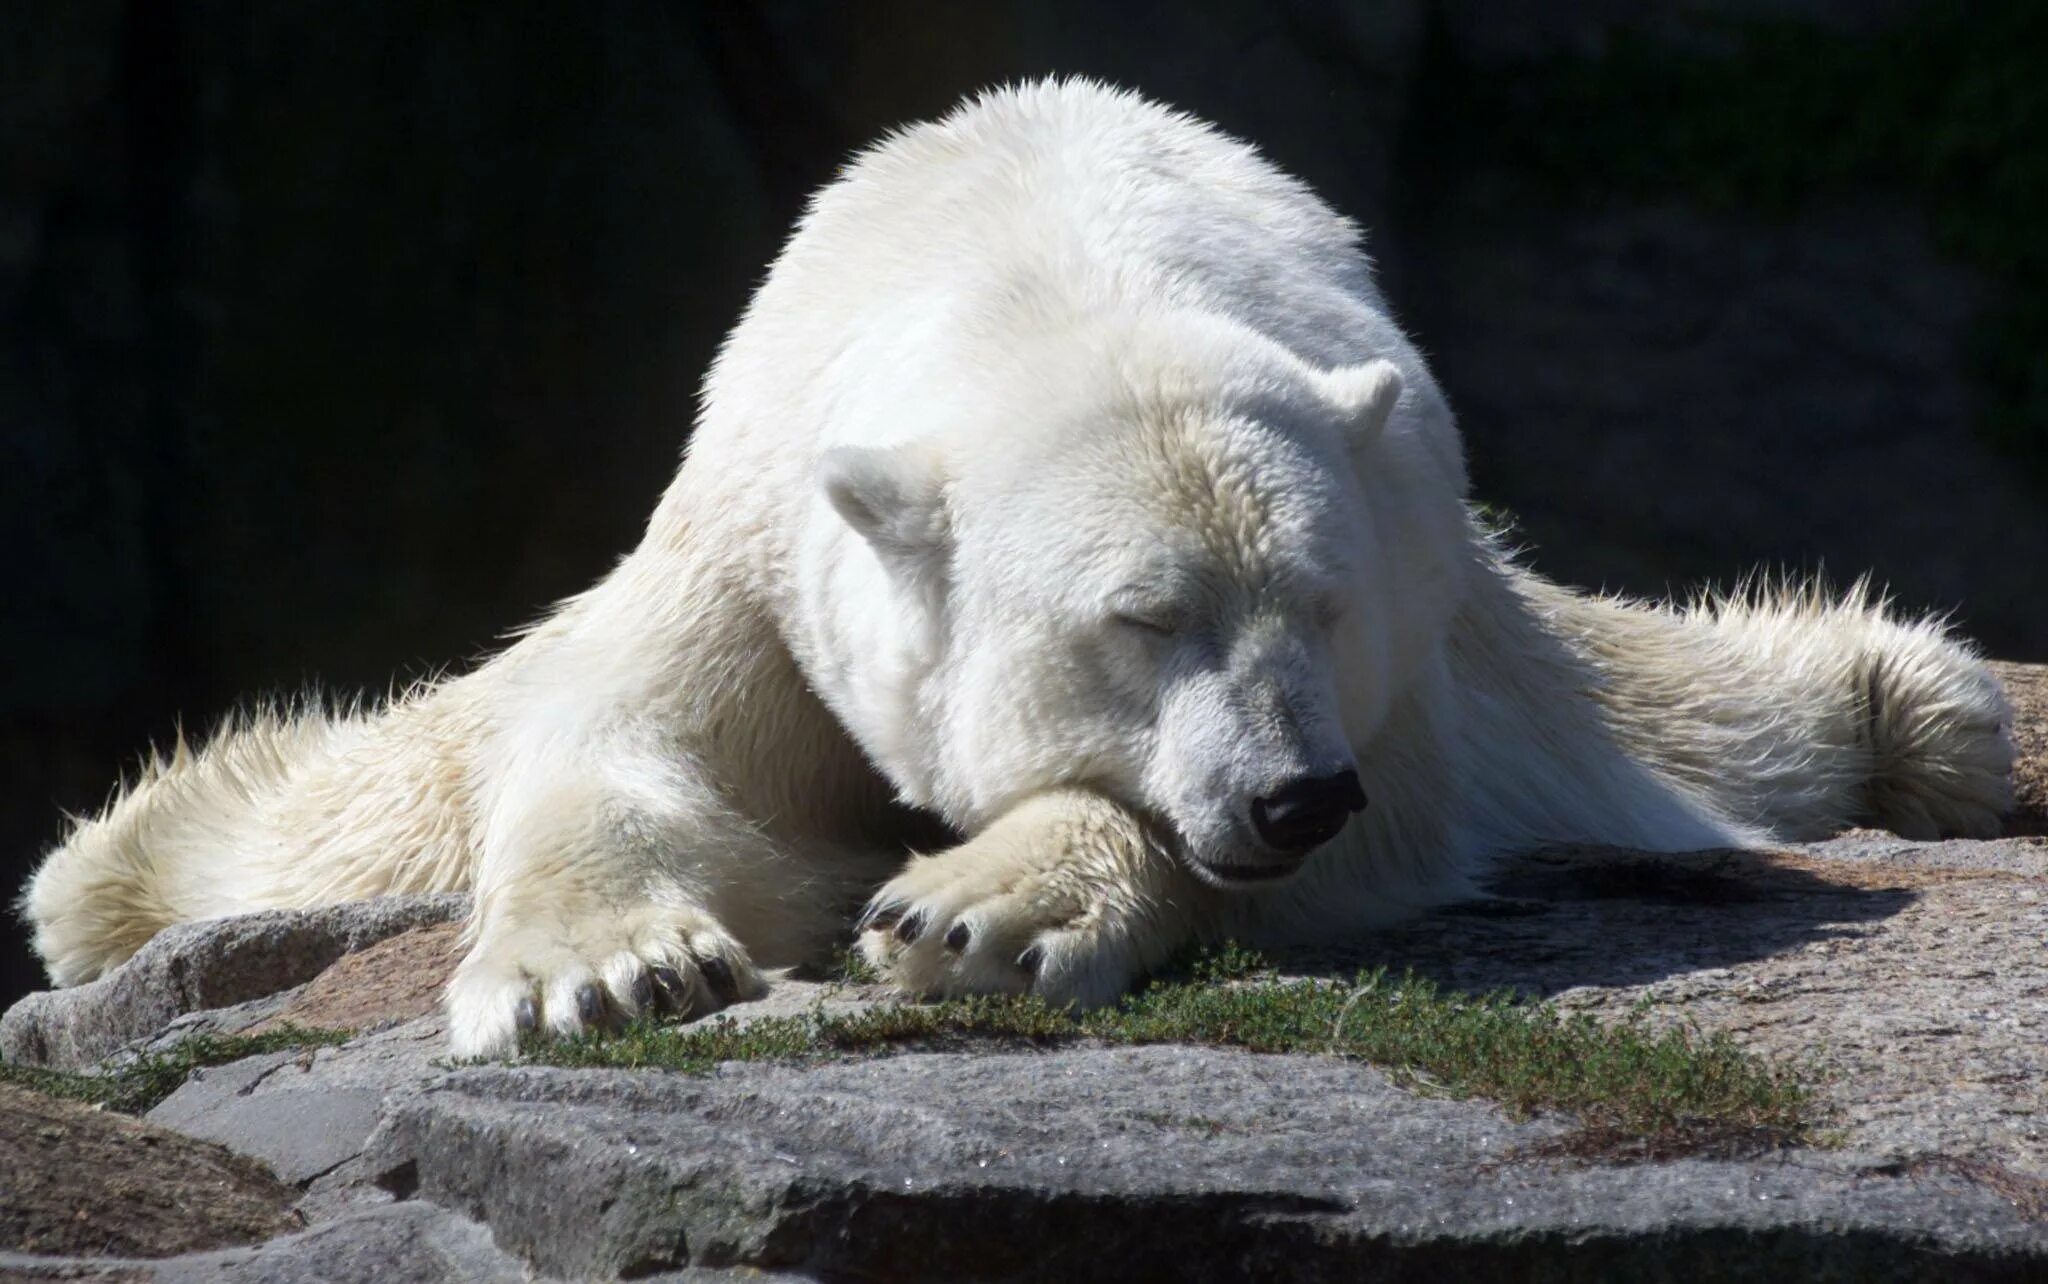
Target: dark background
{"type": "Point", "coordinates": [337, 339]}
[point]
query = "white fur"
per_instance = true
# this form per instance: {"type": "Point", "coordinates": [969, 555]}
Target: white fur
{"type": "Point", "coordinates": [1067, 477]}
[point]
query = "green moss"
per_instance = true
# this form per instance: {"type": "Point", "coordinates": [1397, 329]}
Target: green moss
{"type": "Point", "coordinates": [1620, 1079]}
{"type": "Point", "coordinates": [847, 967]}
{"type": "Point", "coordinates": [136, 1087]}
{"type": "Point", "coordinates": [1947, 108]}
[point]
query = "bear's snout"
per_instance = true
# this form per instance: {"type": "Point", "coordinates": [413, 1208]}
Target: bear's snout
{"type": "Point", "coordinates": [1307, 811]}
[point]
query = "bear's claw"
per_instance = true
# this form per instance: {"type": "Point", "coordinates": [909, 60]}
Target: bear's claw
{"type": "Point", "coordinates": [1064, 898]}
{"type": "Point", "coordinates": [674, 995]}
{"type": "Point", "coordinates": [720, 976]}
{"type": "Point", "coordinates": [563, 975]}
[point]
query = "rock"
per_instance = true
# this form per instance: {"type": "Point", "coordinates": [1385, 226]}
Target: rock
{"type": "Point", "coordinates": [2026, 685]}
{"type": "Point", "coordinates": [1078, 1164]}
{"type": "Point", "coordinates": [194, 967]}
{"type": "Point", "coordinates": [396, 979]}
{"type": "Point", "coordinates": [83, 1182]}
{"type": "Point", "coordinates": [1911, 975]}
{"type": "Point", "coordinates": [398, 1244]}
{"type": "Point", "coordinates": [391, 982]}
{"type": "Point", "coordinates": [302, 1132]}
{"type": "Point", "coordinates": [308, 1114]}
{"type": "Point", "coordinates": [305, 1113]}
{"type": "Point", "coordinates": [1905, 971]}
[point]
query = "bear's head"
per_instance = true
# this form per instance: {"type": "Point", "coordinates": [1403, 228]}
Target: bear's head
{"type": "Point", "coordinates": [1195, 584]}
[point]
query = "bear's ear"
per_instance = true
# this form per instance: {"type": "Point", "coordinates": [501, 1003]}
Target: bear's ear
{"type": "Point", "coordinates": [893, 497]}
{"type": "Point", "coordinates": [1365, 394]}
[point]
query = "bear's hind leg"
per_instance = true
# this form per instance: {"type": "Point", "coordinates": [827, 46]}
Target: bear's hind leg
{"type": "Point", "coordinates": [1940, 732]}
{"type": "Point", "coordinates": [1067, 897]}
{"type": "Point", "coordinates": [1842, 713]}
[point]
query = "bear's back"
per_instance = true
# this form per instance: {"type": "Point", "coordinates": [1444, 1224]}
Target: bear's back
{"type": "Point", "coordinates": [1066, 196]}
{"type": "Point", "coordinates": [930, 285]}
{"type": "Point", "coordinates": [1105, 198]}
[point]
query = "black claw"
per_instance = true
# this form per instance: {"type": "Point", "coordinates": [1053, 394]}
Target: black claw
{"type": "Point", "coordinates": [643, 993]}
{"type": "Point", "coordinates": [526, 1015]}
{"type": "Point", "coordinates": [957, 938]}
{"type": "Point", "coordinates": [720, 976]}
{"type": "Point", "coordinates": [590, 1004]}
{"type": "Point", "coordinates": [1031, 960]}
{"type": "Point", "coordinates": [910, 928]}
{"type": "Point", "coordinates": [674, 996]}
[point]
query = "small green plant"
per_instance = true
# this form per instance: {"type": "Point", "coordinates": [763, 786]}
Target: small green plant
{"type": "Point", "coordinates": [847, 967]}
{"type": "Point", "coordinates": [136, 1087]}
{"type": "Point", "coordinates": [1624, 1079]}
{"type": "Point", "coordinates": [1220, 964]}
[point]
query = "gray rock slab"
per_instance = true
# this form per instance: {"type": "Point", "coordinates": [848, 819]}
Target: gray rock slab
{"type": "Point", "coordinates": [1911, 977]}
{"type": "Point", "coordinates": [1092, 1163]}
{"type": "Point", "coordinates": [305, 1113]}
{"type": "Point", "coordinates": [196, 967]}
{"type": "Point", "coordinates": [237, 1018]}
{"type": "Point", "coordinates": [299, 1134]}
{"type": "Point", "coordinates": [399, 1244]}
{"type": "Point", "coordinates": [402, 1243]}
{"type": "Point", "coordinates": [411, 1243]}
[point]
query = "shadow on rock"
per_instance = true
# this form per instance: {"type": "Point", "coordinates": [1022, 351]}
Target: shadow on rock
{"type": "Point", "coordinates": [1569, 917]}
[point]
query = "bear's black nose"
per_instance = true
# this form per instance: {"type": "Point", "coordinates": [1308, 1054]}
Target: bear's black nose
{"type": "Point", "coordinates": [1308, 811]}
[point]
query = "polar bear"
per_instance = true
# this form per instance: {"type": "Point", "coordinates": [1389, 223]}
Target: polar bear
{"type": "Point", "coordinates": [1067, 480]}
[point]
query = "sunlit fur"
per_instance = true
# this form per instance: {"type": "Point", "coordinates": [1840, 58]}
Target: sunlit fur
{"type": "Point", "coordinates": [1006, 359]}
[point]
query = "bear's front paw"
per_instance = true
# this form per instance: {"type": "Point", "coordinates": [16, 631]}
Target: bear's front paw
{"type": "Point", "coordinates": [559, 973]}
{"type": "Point", "coordinates": [1067, 897]}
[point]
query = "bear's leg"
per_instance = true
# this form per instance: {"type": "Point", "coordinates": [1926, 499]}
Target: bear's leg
{"type": "Point", "coordinates": [612, 886]}
{"type": "Point", "coordinates": [1798, 712]}
{"type": "Point", "coordinates": [562, 959]}
{"type": "Point", "coordinates": [1068, 897]}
